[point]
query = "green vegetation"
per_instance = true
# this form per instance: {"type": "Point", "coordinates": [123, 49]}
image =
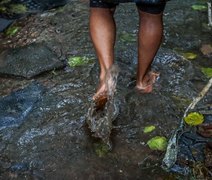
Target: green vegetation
{"type": "Point", "coordinates": [18, 8]}
{"type": "Point", "coordinates": [189, 55]}
{"type": "Point", "coordinates": [101, 149]}
{"type": "Point", "coordinates": [158, 143]}
{"type": "Point", "coordinates": [4, 2]}
{"type": "Point", "coordinates": [207, 72]}
{"type": "Point", "coordinates": [149, 129]}
{"type": "Point", "coordinates": [79, 61]}
{"type": "Point", "coordinates": [12, 30]}
{"type": "Point", "coordinates": [199, 7]}
{"type": "Point", "coordinates": [127, 37]}
{"type": "Point", "coordinates": [3, 9]}
{"type": "Point", "coordinates": [194, 119]}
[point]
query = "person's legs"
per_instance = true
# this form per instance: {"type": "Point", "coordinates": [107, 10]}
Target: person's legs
{"type": "Point", "coordinates": [103, 34]}
{"type": "Point", "coordinates": [149, 39]}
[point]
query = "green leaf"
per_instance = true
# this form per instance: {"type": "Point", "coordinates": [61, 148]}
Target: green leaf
{"type": "Point", "coordinates": [127, 37]}
{"type": "Point", "coordinates": [189, 55]}
{"type": "Point", "coordinates": [79, 61]}
{"type": "Point", "coordinates": [199, 7]}
{"type": "Point", "coordinates": [11, 31]}
{"type": "Point", "coordinates": [158, 143]}
{"type": "Point", "coordinates": [207, 72]}
{"type": "Point", "coordinates": [149, 129]}
{"type": "Point", "coordinates": [194, 119]}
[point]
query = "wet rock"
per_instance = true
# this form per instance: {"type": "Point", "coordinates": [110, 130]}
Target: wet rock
{"type": "Point", "coordinates": [28, 61]}
{"type": "Point", "coordinates": [4, 23]}
{"type": "Point", "coordinates": [18, 8]}
{"type": "Point", "coordinates": [4, 162]}
{"type": "Point", "coordinates": [19, 167]}
{"type": "Point", "coordinates": [15, 107]}
{"type": "Point", "coordinates": [208, 157]}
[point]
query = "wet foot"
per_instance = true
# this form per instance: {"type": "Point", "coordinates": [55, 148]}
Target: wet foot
{"type": "Point", "coordinates": [147, 85]}
{"type": "Point", "coordinates": [101, 97]}
{"type": "Point", "coordinates": [107, 87]}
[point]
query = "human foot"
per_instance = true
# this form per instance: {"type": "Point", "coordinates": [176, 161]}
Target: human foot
{"type": "Point", "coordinates": [100, 97]}
{"type": "Point", "coordinates": [147, 85]}
{"type": "Point", "coordinates": [107, 87]}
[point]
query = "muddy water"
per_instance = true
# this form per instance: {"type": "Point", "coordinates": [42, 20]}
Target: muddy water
{"type": "Point", "coordinates": [53, 141]}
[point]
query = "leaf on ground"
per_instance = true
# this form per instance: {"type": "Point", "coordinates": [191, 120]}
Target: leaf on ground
{"type": "Point", "coordinates": [78, 61]}
{"type": "Point", "coordinates": [149, 129]}
{"type": "Point", "coordinates": [207, 72]}
{"type": "Point", "coordinates": [127, 37]}
{"type": "Point", "coordinates": [199, 7]}
{"type": "Point", "coordinates": [194, 119]}
{"type": "Point", "coordinates": [11, 31]}
{"type": "Point", "coordinates": [158, 143]}
{"type": "Point", "coordinates": [206, 49]}
{"type": "Point", "coordinates": [189, 55]}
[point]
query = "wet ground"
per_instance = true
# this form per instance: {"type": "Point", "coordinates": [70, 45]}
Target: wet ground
{"type": "Point", "coordinates": [50, 140]}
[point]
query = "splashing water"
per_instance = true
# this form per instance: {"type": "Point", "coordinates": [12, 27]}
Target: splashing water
{"type": "Point", "coordinates": [101, 115]}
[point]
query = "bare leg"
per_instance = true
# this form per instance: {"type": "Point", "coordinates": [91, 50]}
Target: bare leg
{"type": "Point", "coordinates": [149, 39]}
{"type": "Point", "coordinates": [103, 34]}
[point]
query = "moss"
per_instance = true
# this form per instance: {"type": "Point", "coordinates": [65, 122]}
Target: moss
{"type": "Point", "coordinates": [101, 149]}
{"type": "Point", "coordinates": [18, 8]}
{"type": "Point", "coordinates": [3, 9]}
{"type": "Point", "coordinates": [128, 37]}
{"type": "Point", "coordinates": [4, 1]}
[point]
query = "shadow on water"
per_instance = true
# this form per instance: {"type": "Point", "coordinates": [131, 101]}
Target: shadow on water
{"type": "Point", "coordinates": [52, 141]}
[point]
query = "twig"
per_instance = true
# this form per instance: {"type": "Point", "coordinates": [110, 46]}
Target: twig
{"type": "Point", "coordinates": [209, 14]}
{"type": "Point", "coordinates": [199, 97]}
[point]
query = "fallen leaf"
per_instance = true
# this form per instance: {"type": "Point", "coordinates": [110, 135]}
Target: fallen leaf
{"type": "Point", "coordinates": [158, 143]}
{"type": "Point", "coordinates": [12, 30]}
{"type": "Point", "coordinates": [199, 7]}
{"type": "Point", "coordinates": [149, 129]}
{"type": "Point", "coordinates": [194, 119]}
{"type": "Point", "coordinates": [78, 61]}
{"type": "Point", "coordinates": [207, 72]}
{"type": "Point", "coordinates": [189, 55]}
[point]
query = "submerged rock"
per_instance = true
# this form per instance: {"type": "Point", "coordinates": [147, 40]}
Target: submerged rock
{"type": "Point", "coordinates": [15, 107]}
{"type": "Point", "coordinates": [28, 61]}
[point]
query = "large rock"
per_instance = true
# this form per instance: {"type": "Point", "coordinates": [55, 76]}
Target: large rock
{"type": "Point", "coordinates": [28, 61]}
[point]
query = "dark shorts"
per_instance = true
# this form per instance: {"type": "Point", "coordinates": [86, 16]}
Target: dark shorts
{"type": "Point", "coordinates": [148, 8]}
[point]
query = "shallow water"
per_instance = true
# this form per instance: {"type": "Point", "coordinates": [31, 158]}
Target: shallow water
{"type": "Point", "coordinates": [104, 110]}
{"type": "Point", "coordinates": [54, 142]}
